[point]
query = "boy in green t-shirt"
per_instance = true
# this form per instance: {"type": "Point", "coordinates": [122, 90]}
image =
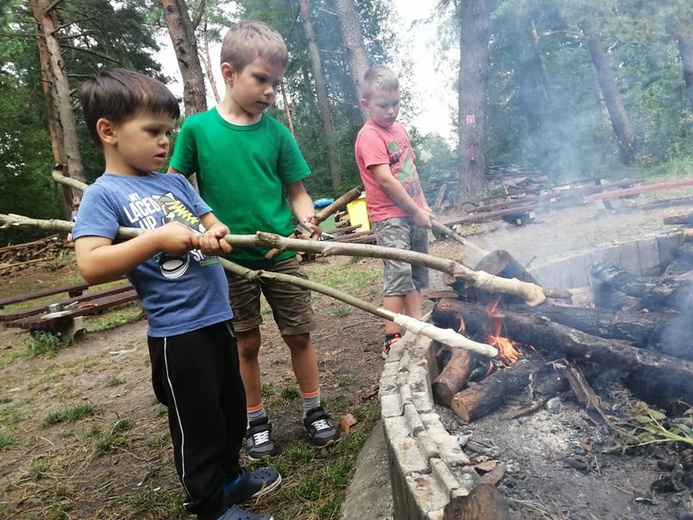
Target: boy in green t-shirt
{"type": "Point", "coordinates": [245, 161]}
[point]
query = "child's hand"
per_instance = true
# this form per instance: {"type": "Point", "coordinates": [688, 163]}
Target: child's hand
{"type": "Point", "coordinates": [175, 238]}
{"type": "Point", "coordinates": [315, 229]}
{"type": "Point", "coordinates": [212, 242]}
{"type": "Point", "coordinates": [422, 218]}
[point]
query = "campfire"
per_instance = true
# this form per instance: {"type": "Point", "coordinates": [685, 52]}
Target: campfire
{"type": "Point", "coordinates": [623, 362]}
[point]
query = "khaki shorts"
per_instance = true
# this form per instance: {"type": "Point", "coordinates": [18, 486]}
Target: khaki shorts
{"type": "Point", "coordinates": [402, 278]}
{"type": "Point", "coordinates": [290, 304]}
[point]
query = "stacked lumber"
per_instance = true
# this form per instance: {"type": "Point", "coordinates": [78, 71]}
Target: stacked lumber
{"type": "Point", "coordinates": [19, 256]}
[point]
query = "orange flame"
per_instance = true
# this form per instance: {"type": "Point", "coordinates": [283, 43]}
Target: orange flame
{"type": "Point", "coordinates": [507, 350]}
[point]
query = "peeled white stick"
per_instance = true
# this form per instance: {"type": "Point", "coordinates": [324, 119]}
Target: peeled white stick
{"type": "Point", "coordinates": [446, 336]}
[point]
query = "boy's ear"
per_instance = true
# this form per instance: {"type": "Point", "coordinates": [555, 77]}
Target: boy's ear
{"type": "Point", "coordinates": [364, 104]}
{"type": "Point", "coordinates": [106, 131]}
{"type": "Point", "coordinates": [228, 72]}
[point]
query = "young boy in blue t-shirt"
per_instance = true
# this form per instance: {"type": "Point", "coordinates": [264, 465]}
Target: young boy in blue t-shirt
{"type": "Point", "coordinates": [181, 283]}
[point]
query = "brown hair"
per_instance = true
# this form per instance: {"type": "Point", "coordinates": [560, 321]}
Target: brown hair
{"type": "Point", "coordinates": [248, 40]}
{"type": "Point", "coordinates": [118, 94]}
{"type": "Point", "coordinates": [378, 77]}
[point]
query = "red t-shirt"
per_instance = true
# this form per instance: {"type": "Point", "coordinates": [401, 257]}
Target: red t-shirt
{"type": "Point", "coordinates": [376, 145]}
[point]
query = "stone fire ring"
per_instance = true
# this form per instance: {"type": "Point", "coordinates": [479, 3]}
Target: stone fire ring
{"type": "Point", "coordinates": [428, 467]}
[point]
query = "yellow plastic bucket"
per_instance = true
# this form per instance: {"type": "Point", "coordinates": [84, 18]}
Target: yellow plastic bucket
{"type": "Point", "coordinates": [358, 213]}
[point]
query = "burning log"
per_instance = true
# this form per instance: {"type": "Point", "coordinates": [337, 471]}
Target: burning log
{"type": "Point", "coordinates": [453, 377]}
{"type": "Point", "coordinates": [659, 377]}
{"type": "Point", "coordinates": [668, 333]}
{"type": "Point", "coordinates": [653, 292]}
{"type": "Point", "coordinates": [478, 400]}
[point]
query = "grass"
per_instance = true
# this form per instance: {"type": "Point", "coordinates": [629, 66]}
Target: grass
{"type": "Point", "coordinates": [84, 452]}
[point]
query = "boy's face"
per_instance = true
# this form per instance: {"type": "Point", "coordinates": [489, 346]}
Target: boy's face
{"type": "Point", "coordinates": [254, 87]}
{"type": "Point", "coordinates": [382, 107]}
{"type": "Point", "coordinates": [136, 146]}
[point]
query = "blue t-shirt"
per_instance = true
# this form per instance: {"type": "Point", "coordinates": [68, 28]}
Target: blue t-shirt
{"type": "Point", "coordinates": [179, 293]}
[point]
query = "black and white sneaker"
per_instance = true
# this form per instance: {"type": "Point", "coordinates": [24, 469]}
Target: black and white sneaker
{"type": "Point", "coordinates": [258, 439]}
{"type": "Point", "coordinates": [321, 429]}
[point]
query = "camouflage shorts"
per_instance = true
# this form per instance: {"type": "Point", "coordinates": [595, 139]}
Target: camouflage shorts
{"type": "Point", "coordinates": [402, 278]}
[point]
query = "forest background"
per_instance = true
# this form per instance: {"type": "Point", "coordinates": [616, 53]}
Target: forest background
{"type": "Point", "coordinates": [577, 89]}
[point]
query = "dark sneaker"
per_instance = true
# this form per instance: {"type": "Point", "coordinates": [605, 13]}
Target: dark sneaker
{"type": "Point", "coordinates": [258, 439]}
{"type": "Point", "coordinates": [238, 513]}
{"type": "Point", "coordinates": [252, 484]}
{"type": "Point", "coordinates": [321, 429]}
{"type": "Point", "coordinates": [388, 344]}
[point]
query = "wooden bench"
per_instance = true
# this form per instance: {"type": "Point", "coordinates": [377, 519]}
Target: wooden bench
{"type": "Point", "coordinates": [38, 318]}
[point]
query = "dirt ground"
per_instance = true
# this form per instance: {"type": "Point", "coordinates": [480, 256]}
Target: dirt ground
{"type": "Point", "coordinates": [41, 462]}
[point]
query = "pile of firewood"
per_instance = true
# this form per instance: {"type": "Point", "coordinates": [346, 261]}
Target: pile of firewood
{"type": "Point", "coordinates": [19, 256]}
{"type": "Point", "coordinates": [641, 328]}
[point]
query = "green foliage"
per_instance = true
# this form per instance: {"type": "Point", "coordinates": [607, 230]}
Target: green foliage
{"type": "Point", "coordinates": [47, 343]}
{"type": "Point", "coordinates": [646, 426]}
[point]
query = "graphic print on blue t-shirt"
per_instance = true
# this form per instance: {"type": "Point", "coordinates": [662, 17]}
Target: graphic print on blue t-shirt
{"type": "Point", "coordinates": [143, 212]}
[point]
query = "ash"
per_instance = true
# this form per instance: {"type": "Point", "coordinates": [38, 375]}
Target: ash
{"type": "Point", "coordinates": [561, 465]}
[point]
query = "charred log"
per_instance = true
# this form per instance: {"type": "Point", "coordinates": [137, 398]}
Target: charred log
{"type": "Point", "coordinates": [670, 333]}
{"type": "Point", "coordinates": [656, 377]}
{"type": "Point", "coordinates": [653, 292]}
{"type": "Point", "coordinates": [493, 391]}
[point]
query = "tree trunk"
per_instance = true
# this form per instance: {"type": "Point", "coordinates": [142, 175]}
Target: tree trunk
{"type": "Point", "coordinates": [354, 44]}
{"type": "Point", "coordinates": [473, 79]}
{"type": "Point", "coordinates": [207, 60]}
{"type": "Point", "coordinates": [182, 34]}
{"type": "Point", "coordinates": [612, 97]}
{"type": "Point", "coordinates": [323, 102]}
{"type": "Point", "coordinates": [62, 124]}
{"type": "Point", "coordinates": [686, 54]}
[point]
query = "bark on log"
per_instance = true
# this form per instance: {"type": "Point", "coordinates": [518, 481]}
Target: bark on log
{"type": "Point", "coordinates": [453, 377]}
{"type": "Point", "coordinates": [653, 292]}
{"type": "Point", "coordinates": [657, 377]}
{"type": "Point", "coordinates": [670, 333]}
{"type": "Point", "coordinates": [484, 397]}
{"type": "Point", "coordinates": [485, 502]}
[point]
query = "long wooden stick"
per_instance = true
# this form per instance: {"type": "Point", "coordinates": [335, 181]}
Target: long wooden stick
{"type": "Point", "coordinates": [531, 293]}
{"type": "Point", "coordinates": [447, 336]}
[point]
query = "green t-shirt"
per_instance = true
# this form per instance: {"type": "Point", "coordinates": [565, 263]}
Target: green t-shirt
{"type": "Point", "coordinates": [241, 173]}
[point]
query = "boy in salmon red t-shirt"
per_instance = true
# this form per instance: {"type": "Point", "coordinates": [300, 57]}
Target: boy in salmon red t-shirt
{"type": "Point", "coordinates": [397, 207]}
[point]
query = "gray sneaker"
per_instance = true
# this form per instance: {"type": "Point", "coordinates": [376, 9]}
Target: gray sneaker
{"type": "Point", "coordinates": [321, 429]}
{"type": "Point", "coordinates": [258, 439]}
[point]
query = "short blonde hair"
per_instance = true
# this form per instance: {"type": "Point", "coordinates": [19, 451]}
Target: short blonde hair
{"type": "Point", "coordinates": [248, 40]}
{"type": "Point", "coordinates": [378, 77]}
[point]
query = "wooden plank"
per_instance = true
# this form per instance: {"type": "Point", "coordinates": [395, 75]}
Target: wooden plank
{"type": "Point", "coordinates": [74, 289]}
{"type": "Point", "coordinates": [639, 189]}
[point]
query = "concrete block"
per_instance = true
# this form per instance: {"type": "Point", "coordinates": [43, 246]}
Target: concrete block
{"type": "Point", "coordinates": [396, 428]}
{"type": "Point", "coordinates": [427, 447]}
{"type": "Point", "coordinates": [443, 476]}
{"type": "Point", "coordinates": [648, 252]}
{"type": "Point", "coordinates": [391, 406]}
{"type": "Point", "coordinates": [427, 493]}
{"type": "Point", "coordinates": [409, 458]}
{"type": "Point", "coordinates": [422, 401]}
{"type": "Point", "coordinates": [413, 421]}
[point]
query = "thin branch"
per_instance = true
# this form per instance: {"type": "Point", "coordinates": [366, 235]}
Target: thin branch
{"type": "Point", "coordinates": [446, 336]}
